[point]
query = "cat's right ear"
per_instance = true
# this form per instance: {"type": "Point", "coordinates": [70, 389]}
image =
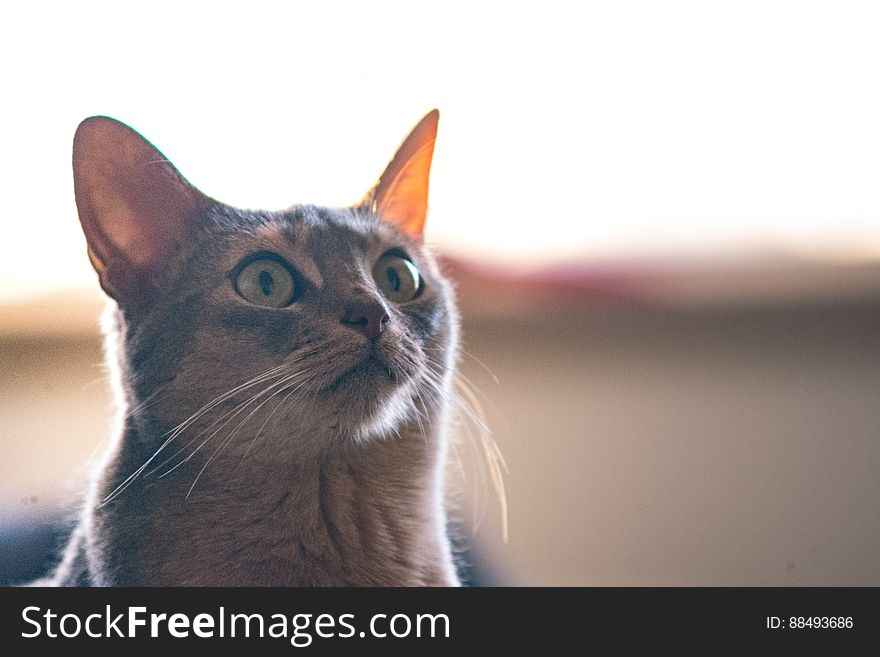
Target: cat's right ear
{"type": "Point", "coordinates": [134, 206]}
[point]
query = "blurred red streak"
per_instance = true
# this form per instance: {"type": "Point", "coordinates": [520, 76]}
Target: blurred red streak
{"type": "Point", "coordinates": [579, 287]}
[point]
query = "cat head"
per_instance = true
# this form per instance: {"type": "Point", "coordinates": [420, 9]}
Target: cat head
{"type": "Point", "coordinates": [335, 320]}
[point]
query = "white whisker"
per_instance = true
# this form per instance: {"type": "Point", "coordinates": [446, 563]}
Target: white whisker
{"type": "Point", "coordinates": [173, 433]}
{"type": "Point", "coordinates": [232, 433]}
{"type": "Point", "coordinates": [490, 463]}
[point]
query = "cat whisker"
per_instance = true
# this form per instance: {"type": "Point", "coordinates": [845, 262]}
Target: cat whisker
{"type": "Point", "coordinates": [458, 460]}
{"type": "Point", "coordinates": [171, 434]}
{"type": "Point", "coordinates": [265, 376]}
{"type": "Point", "coordinates": [495, 459]}
{"type": "Point", "coordinates": [468, 421]}
{"type": "Point", "coordinates": [290, 389]}
{"type": "Point", "coordinates": [145, 403]}
{"type": "Point", "coordinates": [148, 401]}
{"type": "Point", "coordinates": [232, 433]}
{"type": "Point", "coordinates": [479, 362]}
{"type": "Point", "coordinates": [471, 384]}
{"type": "Point", "coordinates": [226, 418]}
{"type": "Point", "coordinates": [490, 461]}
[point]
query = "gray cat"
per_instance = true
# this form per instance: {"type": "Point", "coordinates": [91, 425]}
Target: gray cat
{"type": "Point", "coordinates": [282, 377]}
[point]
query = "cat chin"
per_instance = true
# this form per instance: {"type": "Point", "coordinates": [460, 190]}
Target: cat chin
{"type": "Point", "coordinates": [360, 414]}
{"type": "Point", "coordinates": [387, 421]}
{"type": "Point", "coordinates": [369, 377]}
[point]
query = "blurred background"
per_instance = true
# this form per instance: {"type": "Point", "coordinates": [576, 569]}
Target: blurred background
{"type": "Point", "coordinates": [663, 218]}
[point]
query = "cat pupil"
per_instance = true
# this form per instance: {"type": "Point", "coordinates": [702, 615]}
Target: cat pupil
{"type": "Point", "coordinates": [394, 279]}
{"type": "Point", "coordinates": [266, 282]}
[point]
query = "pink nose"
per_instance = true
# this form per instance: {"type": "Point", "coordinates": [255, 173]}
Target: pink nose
{"type": "Point", "coordinates": [369, 318]}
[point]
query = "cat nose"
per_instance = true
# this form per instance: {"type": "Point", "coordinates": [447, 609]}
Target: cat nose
{"type": "Point", "coordinates": [369, 318]}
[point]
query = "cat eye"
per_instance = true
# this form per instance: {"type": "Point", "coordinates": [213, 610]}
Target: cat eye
{"type": "Point", "coordinates": [266, 282]}
{"type": "Point", "coordinates": [397, 278]}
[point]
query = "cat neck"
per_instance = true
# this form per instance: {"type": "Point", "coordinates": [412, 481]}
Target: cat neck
{"type": "Point", "coordinates": [369, 513]}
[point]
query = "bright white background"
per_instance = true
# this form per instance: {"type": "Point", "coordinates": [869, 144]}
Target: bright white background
{"type": "Point", "coordinates": [569, 131]}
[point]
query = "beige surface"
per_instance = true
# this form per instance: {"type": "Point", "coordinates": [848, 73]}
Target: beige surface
{"type": "Point", "coordinates": [646, 446]}
{"type": "Point", "coordinates": [657, 448]}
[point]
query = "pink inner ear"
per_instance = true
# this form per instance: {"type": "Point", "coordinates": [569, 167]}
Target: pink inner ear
{"type": "Point", "coordinates": [133, 204]}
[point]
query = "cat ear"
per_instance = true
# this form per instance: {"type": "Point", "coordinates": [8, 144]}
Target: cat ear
{"type": "Point", "coordinates": [401, 195]}
{"type": "Point", "coordinates": [134, 206]}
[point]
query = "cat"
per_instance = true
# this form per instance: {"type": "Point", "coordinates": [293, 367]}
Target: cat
{"type": "Point", "coordinates": [283, 381]}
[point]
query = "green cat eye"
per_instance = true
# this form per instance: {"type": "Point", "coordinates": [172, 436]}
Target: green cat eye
{"type": "Point", "coordinates": [266, 282]}
{"type": "Point", "coordinates": [397, 278]}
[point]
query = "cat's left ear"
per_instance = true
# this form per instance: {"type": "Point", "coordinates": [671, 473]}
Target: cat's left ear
{"type": "Point", "coordinates": [401, 195]}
